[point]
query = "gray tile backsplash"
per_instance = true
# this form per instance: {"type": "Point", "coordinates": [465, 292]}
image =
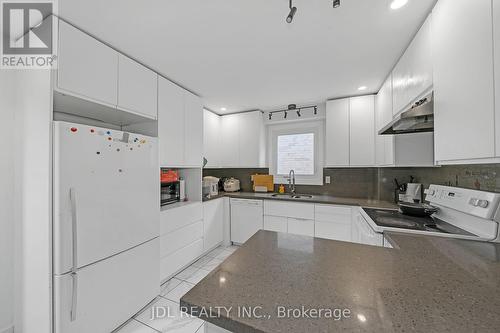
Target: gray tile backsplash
{"type": "Point", "coordinates": [378, 183]}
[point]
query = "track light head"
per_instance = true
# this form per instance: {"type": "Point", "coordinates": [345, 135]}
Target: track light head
{"type": "Point", "coordinates": [270, 116]}
{"type": "Point", "coordinates": [290, 16]}
{"type": "Point", "coordinates": [298, 113]}
{"type": "Point", "coordinates": [336, 3]}
{"type": "Point", "coordinates": [286, 114]}
{"type": "Point", "coordinates": [315, 110]}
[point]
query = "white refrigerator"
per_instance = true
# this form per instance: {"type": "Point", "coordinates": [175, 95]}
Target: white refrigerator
{"type": "Point", "coordinates": [106, 227]}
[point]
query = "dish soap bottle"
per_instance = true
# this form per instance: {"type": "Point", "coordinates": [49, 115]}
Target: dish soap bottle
{"type": "Point", "coordinates": [281, 189]}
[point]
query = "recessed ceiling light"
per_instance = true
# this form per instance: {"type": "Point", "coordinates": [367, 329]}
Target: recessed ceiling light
{"type": "Point", "coordinates": [396, 4]}
{"type": "Point", "coordinates": [223, 109]}
{"type": "Point", "coordinates": [362, 88]}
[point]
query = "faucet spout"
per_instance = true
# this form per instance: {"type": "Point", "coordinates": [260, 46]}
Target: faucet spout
{"type": "Point", "coordinates": [291, 181]}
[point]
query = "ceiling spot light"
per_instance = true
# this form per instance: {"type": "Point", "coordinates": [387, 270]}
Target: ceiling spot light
{"type": "Point", "coordinates": [362, 88]}
{"type": "Point", "coordinates": [293, 10]}
{"type": "Point", "coordinates": [336, 3]}
{"type": "Point", "coordinates": [396, 4]}
{"type": "Point", "coordinates": [223, 109]}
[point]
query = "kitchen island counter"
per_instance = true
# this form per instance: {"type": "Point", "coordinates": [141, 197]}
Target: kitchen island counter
{"type": "Point", "coordinates": [424, 284]}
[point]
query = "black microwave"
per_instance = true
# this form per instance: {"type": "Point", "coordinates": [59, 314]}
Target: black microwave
{"type": "Point", "coordinates": [170, 193]}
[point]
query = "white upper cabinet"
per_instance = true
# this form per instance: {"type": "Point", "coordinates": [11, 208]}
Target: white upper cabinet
{"type": "Point", "coordinates": [251, 140]}
{"type": "Point", "coordinates": [384, 144]}
{"type": "Point", "coordinates": [496, 41]}
{"type": "Point", "coordinates": [137, 88]}
{"type": "Point", "coordinates": [242, 139]}
{"type": "Point", "coordinates": [229, 137]}
{"type": "Point", "coordinates": [180, 126]}
{"type": "Point", "coordinates": [193, 135]}
{"type": "Point", "coordinates": [337, 133]}
{"type": "Point", "coordinates": [211, 138]}
{"type": "Point", "coordinates": [413, 74]}
{"type": "Point", "coordinates": [362, 131]}
{"type": "Point", "coordinates": [170, 123]}
{"type": "Point", "coordinates": [86, 67]}
{"type": "Point", "coordinates": [463, 80]}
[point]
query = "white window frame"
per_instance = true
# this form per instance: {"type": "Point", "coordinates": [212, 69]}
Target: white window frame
{"type": "Point", "coordinates": [318, 128]}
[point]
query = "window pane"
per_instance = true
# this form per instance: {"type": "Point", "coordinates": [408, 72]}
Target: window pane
{"type": "Point", "coordinates": [296, 152]}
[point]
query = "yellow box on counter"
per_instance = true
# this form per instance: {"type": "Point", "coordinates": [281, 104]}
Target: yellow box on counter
{"type": "Point", "coordinates": [263, 180]}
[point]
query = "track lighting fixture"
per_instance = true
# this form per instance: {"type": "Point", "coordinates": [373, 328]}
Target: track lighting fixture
{"type": "Point", "coordinates": [286, 114]}
{"type": "Point", "coordinates": [292, 108]}
{"type": "Point", "coordinates": [298, 113]}
{"type": "Point", "coordinates": [270, 115]}
{"type": "Point", "coordinates": [336, 4]}
{"type": "Point", "coordinates": [315, 110]}
{"type": "Point", "coordinates": [293, 10]}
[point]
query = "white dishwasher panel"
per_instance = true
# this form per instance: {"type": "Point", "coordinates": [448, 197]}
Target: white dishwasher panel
{"type": "Point", "coordinates": [247, 217]}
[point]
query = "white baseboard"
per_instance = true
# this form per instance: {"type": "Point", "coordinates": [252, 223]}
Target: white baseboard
{"type": "Point", "coordinates": [9, 329]}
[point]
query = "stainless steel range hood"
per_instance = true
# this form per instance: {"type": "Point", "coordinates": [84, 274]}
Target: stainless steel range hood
{"type": "Point", "coordinates": [418, 119]}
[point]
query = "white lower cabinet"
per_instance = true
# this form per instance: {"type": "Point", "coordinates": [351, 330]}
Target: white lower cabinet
{"type": "Point", "coordinates": [246, 219]}
{"type": "Point", "coordinates": [301, 227]}
{"type": "Point", "coordinates": [333, 222]}
{"type": "Point", "coordinates": [181, 238]}
{"type": "Point", "coordinates": [276, 223]}
{"type": "Point", "coordinates": [213, 223]}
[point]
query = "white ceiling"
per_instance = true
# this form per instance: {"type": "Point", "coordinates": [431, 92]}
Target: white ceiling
{"type": "Point", "coordinates": [242, 55]}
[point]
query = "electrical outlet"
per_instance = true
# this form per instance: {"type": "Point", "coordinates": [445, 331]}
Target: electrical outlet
{"type": "Point", "coordinates": [328, 180]}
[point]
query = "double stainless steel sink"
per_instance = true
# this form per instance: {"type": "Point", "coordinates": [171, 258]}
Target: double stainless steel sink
{"type": "Point", "coordinates": [292, 196]}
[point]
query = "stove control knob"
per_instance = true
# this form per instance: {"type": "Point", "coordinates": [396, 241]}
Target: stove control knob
{"type": "Point", "coordinates": [474, 202]}
{"type": "Point", "coordinates": [483, 203]}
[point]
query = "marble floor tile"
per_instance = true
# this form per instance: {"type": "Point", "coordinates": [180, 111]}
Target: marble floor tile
{"type": "Point", "coordinates": [223, 255]}
{"type": "Point", "coordinates": [214, 253]}
{"type": "Point", "coordinates": [202, 261]}
{"type": "Point", "coordinates": [212, 264]}
{"type": "Point", "coordinates": [169, 318]}
{"type": "Point", "coordinates": [175, 294]}
{"type": "Point", "coordinates": [169, 286]}
{"type": "Point", "coordinates": [185, 274]}
{"type": "Point", "coordinates": [198, 276]}
{"type": "Point", "coordinates": [135, 326]}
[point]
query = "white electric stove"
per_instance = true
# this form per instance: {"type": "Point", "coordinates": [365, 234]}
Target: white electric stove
{"type": "Point", "coordinates": [463, 213]}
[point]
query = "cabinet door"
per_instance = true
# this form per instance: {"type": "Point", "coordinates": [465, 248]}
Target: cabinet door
{"type": "Point", "coordinates": [362, 131]}
{"type": "Point", "coordinates": [193, 134]}
{"type": "Point", "coordinates": [211, 138]}
{"type": "Point", "coordinates": [496, 36]}
{"type": "Point", "coordinates": [170, 123]}
{"type": "Point", "coordinates": [384, 144]}
{"type": "Point", "coordinates": [301, 227]}
{"type": "Point", "coordinates": [337, 133]}
{"type": "Point", "coordinates": [276, 223]}
{"type": "Point", "coordinates": [137, 88]}
{"type": "Point", "coordinates": [251, 134]}
{"type": "Point", "coordinates": [87, 67]}
{"type": "Point", "coordinates": [230, 152]}
{"type": "Point", "coordinates": [213, 223]}
{"type": "Point", "coordinates": [412, 75]}
{"type": "Point", "coordinates": [463, 80]}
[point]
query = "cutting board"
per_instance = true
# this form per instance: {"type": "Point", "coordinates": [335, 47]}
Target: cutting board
{"type": "Point", "coordinates": [263, 180]}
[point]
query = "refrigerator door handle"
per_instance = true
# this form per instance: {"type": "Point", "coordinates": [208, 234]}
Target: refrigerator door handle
{"type": "Point", "coordinates": [74, 266]}
{"type": "Point", "coordinates": [74, 231]}
{"type": "Point", "coordinates": [74, 295]}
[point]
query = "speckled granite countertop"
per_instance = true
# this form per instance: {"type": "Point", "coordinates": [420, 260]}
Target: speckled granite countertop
{"type": "Point", "coordinates": [425, 284]}
{"type": "Point", "coordinates": [321, 199]}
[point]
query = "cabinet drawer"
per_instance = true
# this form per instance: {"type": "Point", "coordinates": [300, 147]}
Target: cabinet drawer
{"type": "Point", "coordinates": [180, 238]}
{"type": "Point", "coordinates": [276, 223]}
{"type": "Point", "coordinates": [330, 213]}
{"type": "Point", "coordinates": [179, 217]}
{"type": "Point", "coordinates": [178, 260]}
{"type": "Point", "coordinates": [301, 227]}
{"type": "Point", "coordinates": [333, 231]}
{"type": "Point", "coordinates": [289, 209]}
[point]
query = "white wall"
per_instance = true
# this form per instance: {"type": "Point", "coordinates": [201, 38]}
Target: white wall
{"type": "Point", "coordinates": [7, 107]}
